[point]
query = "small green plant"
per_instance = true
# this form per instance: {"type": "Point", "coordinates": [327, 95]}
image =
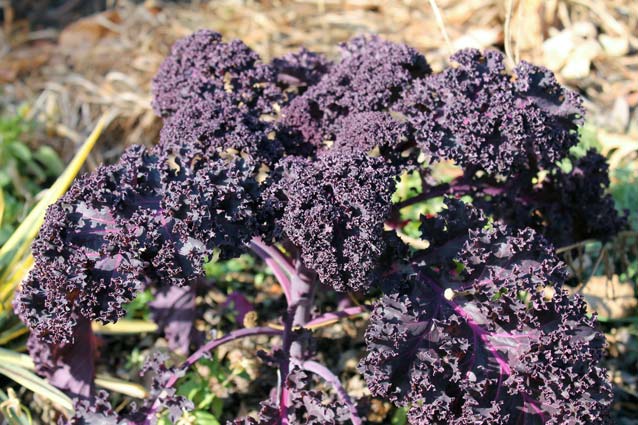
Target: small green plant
{"type": "Point", "coordinates": [12, 410]}
{"type": "Point", "coordinates": [24, 171]}
{"type": "Point", "coordinates": [197, 386]}
{"type": "Point", "coordinates": [624, 189]}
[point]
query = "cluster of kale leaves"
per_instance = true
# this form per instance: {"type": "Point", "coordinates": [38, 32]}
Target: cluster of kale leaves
{"type": "Point", "coordinates": [297, 161]}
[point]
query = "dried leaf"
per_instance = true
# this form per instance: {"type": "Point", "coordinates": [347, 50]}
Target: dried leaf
{"type": "Point", "coordinates": [610, 298]}
{"type": "Point", "coordinates": [579, 61]}
{"type": "Point", "coordinates": [614, 46]}
{"type": "Point", "coordinates": [88, 31]}
{"type": "Point", "coordinates": [23, 60]}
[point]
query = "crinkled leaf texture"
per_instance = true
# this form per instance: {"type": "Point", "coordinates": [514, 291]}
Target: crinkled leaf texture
{"type": "Point", "coordinates": [300, 69]}
{"type": "Point", "coordinates": [566, 206]}
{"type": "Point", "coordinates": [333, 210]}
{"type": "Point", "coordinates": [134, 223]}
{"type": "Point", "coordinates": [381, 134]}
{"type": "Point", "coordinates": [371, 76]}
{"type": "Point", "coordinates": [98, 410]}
{"type": "Point", "coordinates": [487, 335]}
{"type": "Point", "coordinates": [479, 116]}
{"type": "Point", "coordinates": [201, 66]}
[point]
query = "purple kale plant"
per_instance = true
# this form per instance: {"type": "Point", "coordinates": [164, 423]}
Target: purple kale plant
{"type": "Point", "coordinates": [296, 161]}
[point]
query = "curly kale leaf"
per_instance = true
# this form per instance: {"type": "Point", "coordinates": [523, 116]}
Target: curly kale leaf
{"type": "Point", "coordinates": [488, 336]}
{"type": "Point", "coordinates": [481, 117]}
{"type": "Point", "coordinates": [128, 225]}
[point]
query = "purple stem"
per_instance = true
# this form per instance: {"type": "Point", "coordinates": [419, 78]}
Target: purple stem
{"type": "Point", "coordinates": [282, 259]}
{"type": "Point", "coordinates": [284, 366]}
{"type": "Point", "coordinates": [298, 284]}
{"type": "Point", "coordinates": [344, 302]}
{"type": "Point", "coordinates": [331, 378]}
{"type": "Point", "coordinates": [205, 349]}
{"type": "Point", "coordinates": [265, 253]}
{"type": "Point", "coordinates": [457, 185]}
{"type": "Point", "coordinates": [302, 290]}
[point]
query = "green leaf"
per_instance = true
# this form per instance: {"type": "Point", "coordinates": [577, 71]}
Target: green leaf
{"type": "Point", "coordinates": [205, 418]}
{"type": "Point", "coordinates": [207, 400]}
{"type": "Point", "coordinates": [36, 173]}
{"type": "Point", "coordinates": [19, 151]}
{"type": "Point", "coordinates": [15, 248]}
{"type": "Point", "coordinates": [4, 179]}
{"type": "Point", "coordinates": [400, 416]}
{"type": "Point", "coordinates": [217, 406]}
{"type": "Point", "coordinates": [191, 387]}
{"type": "Point", "coordinates": [50, 159]}
{"type": "Point", "coordinates": [138, 308]}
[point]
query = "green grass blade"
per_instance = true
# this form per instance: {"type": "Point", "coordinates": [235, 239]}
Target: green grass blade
{"type": "Point", "coordinates": [38, 385]}
{"type": "Point", "coordinates": [19, 243]}
{"type": "Point", "coordinates": [120, 386]}
{"type": "Point", "coordinates": [23, 361]}
{"type": "Point", "coordinates": [16, 359]}
{"type": "Point", "coordinates": [125, 327]}
{"type": "Point", "coordinates": [28, 229]}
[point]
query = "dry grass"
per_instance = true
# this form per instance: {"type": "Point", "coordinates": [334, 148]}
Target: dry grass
{"type": "Point", "coordinates": [107, 61]}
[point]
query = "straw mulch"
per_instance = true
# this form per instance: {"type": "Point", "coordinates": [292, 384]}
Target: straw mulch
{"type": "Point", "coordinates": [104, 62]}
